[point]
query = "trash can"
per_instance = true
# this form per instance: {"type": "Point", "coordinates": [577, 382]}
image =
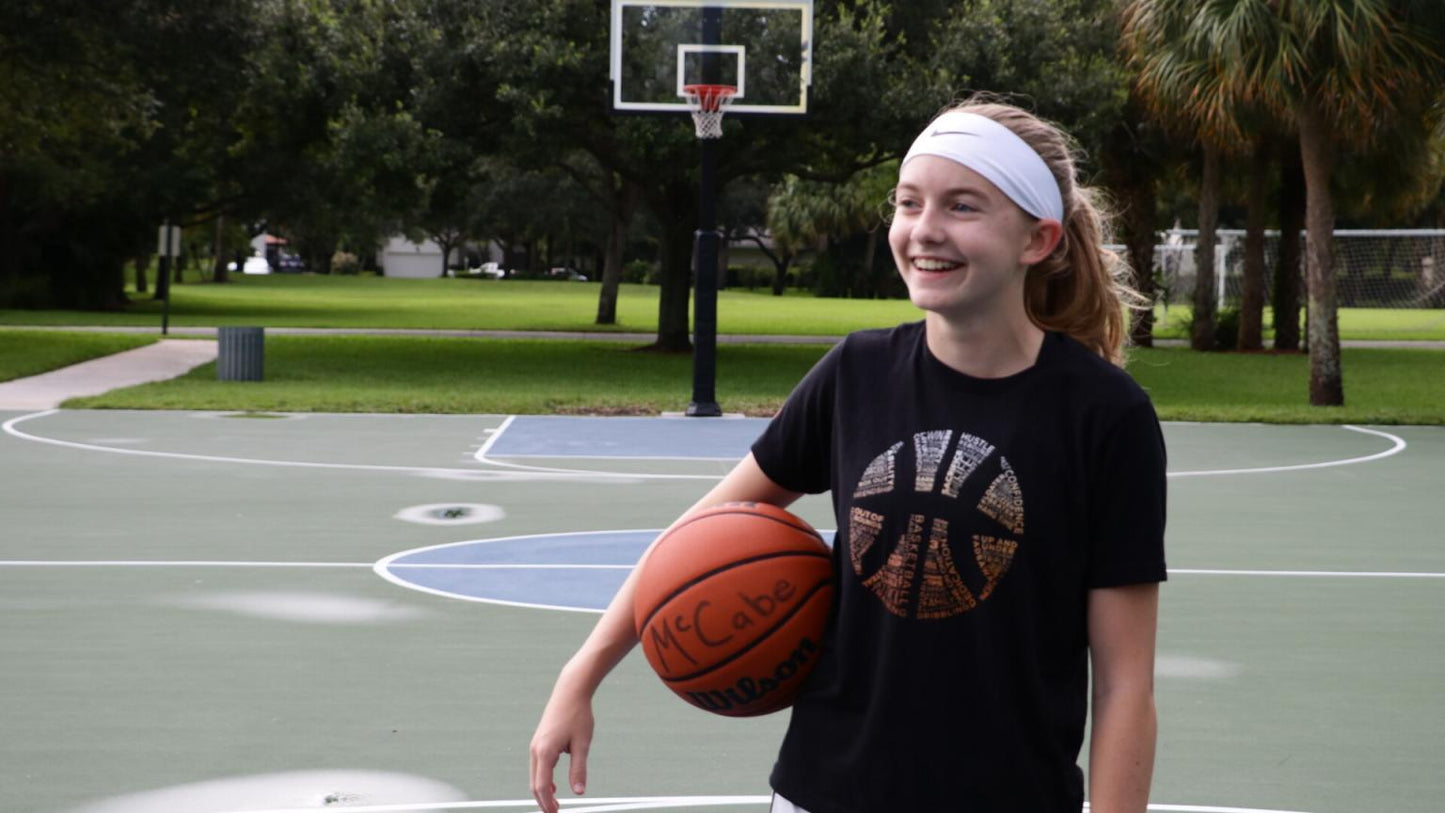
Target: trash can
{"type": "Point", "coordinates": [240, 355]}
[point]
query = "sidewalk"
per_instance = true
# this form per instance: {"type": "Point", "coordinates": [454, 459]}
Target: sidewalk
{"type": "Point", "coordinates": [167, 358]}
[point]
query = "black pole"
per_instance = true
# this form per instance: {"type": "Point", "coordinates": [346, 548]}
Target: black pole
{"type": "Point", "coordinates": [163, 278]}
{"type": "Point", "coordinates": [704, 319]}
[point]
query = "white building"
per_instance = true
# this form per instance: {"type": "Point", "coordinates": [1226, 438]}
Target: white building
{"type": "Point", "coordinates": [401, 257]}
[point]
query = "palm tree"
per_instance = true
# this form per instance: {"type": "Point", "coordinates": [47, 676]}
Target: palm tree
{"type": "Point", "coordinates": [1178, 78]}
{"type": "Point", "coordinates": [803, 213]}
{"type": "Point", "coordinates": [1339, 72]}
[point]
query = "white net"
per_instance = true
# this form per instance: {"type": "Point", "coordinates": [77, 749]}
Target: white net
{"type": "Point", "coordinates": [1399, 271]}
{"type": "Point", "coordinates": [709, 102]}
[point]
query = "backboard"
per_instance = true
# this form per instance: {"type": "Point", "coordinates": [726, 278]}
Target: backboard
{"type": "Point", "coordinates": [762, 47]}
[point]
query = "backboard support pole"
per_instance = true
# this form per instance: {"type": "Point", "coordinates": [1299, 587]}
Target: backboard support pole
{"type": "Point", "coordinates": [705, 254]}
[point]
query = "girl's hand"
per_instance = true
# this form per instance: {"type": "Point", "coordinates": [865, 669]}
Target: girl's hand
{"type": "Point", "coordinates": [565, 728]}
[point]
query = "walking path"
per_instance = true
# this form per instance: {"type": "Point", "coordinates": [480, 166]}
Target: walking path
{"type": "Point", "coordinates": [169, 358]}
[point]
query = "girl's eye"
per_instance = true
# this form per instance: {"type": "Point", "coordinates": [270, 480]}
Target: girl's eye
{"type": "Point", "coordinates": [906, 203]}
{"type": "Point", "coordinates": [961, 207]}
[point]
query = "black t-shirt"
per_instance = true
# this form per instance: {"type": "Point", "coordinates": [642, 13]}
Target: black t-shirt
{"type": "Point", "coordinates": [974, 515]}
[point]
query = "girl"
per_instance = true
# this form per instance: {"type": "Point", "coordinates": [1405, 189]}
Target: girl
{"type": "Point", "coordinates": [998, 485]}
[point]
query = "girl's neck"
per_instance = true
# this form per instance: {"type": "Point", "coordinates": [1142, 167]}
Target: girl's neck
{"type": "Point", "coordinates": [995, 350]}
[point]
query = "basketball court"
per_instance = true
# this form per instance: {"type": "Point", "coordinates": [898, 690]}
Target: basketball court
{"type": "Point", "coordinates": [217, 612]}
{"type": "Point", "coordinates": [212, 613]}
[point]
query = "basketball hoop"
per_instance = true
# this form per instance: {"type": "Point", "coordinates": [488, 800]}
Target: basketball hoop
{"type": "Point", "coordinates": [708, 103]}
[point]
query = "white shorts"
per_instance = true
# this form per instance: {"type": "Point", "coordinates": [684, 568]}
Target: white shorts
{"type": "Point", "coordinates": [781, 805]}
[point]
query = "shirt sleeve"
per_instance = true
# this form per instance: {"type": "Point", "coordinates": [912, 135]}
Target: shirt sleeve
{"type": "Point", "coordinates": [796, 448]}
{"type": "Point", "coordinates": [1127, 502]}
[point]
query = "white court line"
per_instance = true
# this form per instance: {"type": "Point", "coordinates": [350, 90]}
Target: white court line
{"type": "Point", "coordinates": [384, 564]}
{"type": "Point", "coordinates": [544, 472]}
{"type": "Point", "coordinates": [1325, 574]}
{"type": "Point", "coordinates": [9, 428]}
{"type": "Point", "coordinates": [190, 563]}
{"type": "Point", "coordinates": [605, 805]}
{"type": "Point", "coordinates": [1398, 445]}
{"type": "Point", "coordinates": [303, 565]}
{"type": "Point", "coordinates": [495, 435]}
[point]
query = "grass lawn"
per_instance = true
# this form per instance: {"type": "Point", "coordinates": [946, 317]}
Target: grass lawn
{"type": "Point", "coordinates": [304, 300]}
{"type": "Point", "coordinates": [31, 352]}
{"type": "Point", "coordinates": [424, 375]}
{"type": "Point", "coordinates": [286, 300]}
{"type": "Point", "coordinates": [1390, 324]}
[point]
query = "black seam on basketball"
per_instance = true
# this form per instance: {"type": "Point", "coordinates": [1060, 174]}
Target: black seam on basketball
{"type": "Point", "coordinates": [802, 602]}
{"type": "Point", "coordinates": [729, 566]}
{"type": "Point", "coordinates": [717, 511]}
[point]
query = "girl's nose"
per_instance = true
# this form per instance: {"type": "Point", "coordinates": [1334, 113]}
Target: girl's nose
{"type": "Point", "coordinates": [928, 228]}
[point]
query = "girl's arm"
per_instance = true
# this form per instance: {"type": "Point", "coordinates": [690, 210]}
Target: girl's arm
{"type": "Point", "coordinates": [566, 724]}
{"type": "Point", "coordinates": [1122, 623]}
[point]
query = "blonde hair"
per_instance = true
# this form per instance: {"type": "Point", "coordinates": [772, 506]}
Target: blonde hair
{"type": "Point", "coordinates": [1080, 289]}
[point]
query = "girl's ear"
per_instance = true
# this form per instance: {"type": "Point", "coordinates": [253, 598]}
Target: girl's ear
{"type": "Point", "coordinates": [1043, 239]}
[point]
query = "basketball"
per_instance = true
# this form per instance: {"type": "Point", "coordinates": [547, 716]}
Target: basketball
{"type": "Point", "coordinates": [731, 606]}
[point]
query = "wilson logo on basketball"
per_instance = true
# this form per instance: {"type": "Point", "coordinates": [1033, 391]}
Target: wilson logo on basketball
{"type": "Point", "coordinates": [918, 575]}
{"type": "Point", "coordinates": [751, 691]}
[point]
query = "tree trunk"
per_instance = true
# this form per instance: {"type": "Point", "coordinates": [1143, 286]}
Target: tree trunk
{"type": "Point", "coordinates": [780, 273]}
{"type": "Point", "coordinates": [446, 245]}
{"type": "Point", "coordinates": [624, 205]}
{"type": "Point", "coordinates": [1322, 325]}
{"type": "Point", "coordinates": [1139, 240]}
{"type": "Point", "coordinates": [1251, 309]}
{"type": "Point", "coordinates": [1287, 277]}
{"type": "Point", "coordinates": [1201, 336]}
{"type": "Point", "coordinates": [140, 273]}
{"type": "Point", "coordinates": [9, 245]}
{"type": "Point", "coordinates": [218, 270]}
{"type": "Point", "coordinates": [163, 277]}
{"type": "Point", "coordinates": [673, 334]}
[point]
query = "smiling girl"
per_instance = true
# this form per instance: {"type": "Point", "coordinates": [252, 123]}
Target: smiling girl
{"type": "Point", "coordinates": [998, 486]}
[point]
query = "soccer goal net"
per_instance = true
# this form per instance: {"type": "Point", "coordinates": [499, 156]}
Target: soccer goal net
{"type": "Point", "coordinates": [1388, 281]}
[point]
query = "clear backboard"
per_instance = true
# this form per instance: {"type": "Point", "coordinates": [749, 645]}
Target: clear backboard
{"type": "Point", "coordinates": [762, 47]}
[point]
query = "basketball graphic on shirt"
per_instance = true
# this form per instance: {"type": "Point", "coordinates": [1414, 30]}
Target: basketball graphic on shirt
{"type": "Point", "coordinates": [935, 526]}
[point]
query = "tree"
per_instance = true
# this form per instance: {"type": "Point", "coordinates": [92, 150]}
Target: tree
{"type": "Point", "coordinates": [1341, 73]}
{"type": "Point", "coordinates": [1178, 76]}
{"type": "Point", "coordinates": [550, 58]}
{"type": "Point", "coordinates": [803, 213]}
{"type": "Point", "coordinates": [102, 135]}
{"type": "Point", "coordinates": [1132, 155]}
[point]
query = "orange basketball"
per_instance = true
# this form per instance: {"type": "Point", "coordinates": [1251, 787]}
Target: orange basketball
{"type": "Point", "coordinates": [731, 606]}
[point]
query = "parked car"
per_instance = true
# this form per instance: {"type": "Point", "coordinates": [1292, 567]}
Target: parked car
{"type": "Point", "coordinates": [290, 264]}
{"type": "Point", "coordinates": [563, 272]}
{"type": "Point", "coordinates": [492, 270]}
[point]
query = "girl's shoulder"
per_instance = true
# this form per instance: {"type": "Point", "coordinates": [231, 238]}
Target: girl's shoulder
{"type": "Point", "coordinates": [883, 340]}
{"type": "Point", "coordinates": [1094, 376]}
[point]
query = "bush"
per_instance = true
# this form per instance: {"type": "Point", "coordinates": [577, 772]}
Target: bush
{"type": "Point", "coordinates": [749, 277]}
{"type": "Point", "coordinates": [26, 293]}
{"type": "Point", "coordinates": [640, 272]}
{"type": "Point", "coordinates": [1226, 329]}
{"type": "Point", "coordinates": [344, 262]}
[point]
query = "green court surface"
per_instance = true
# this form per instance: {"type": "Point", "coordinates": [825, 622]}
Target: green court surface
{"type": "Point", "coordinates": [194, 618]}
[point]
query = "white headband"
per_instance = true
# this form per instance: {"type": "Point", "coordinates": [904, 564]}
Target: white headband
{"type": "Point", "coordinates": [998, 154]}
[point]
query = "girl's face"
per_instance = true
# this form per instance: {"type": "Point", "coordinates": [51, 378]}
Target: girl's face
{"type": "Point", "coordinates": [960, 244]}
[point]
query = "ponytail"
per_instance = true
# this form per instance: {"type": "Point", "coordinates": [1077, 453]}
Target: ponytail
{"type": "Point", "coordinates": [1080, 289]}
